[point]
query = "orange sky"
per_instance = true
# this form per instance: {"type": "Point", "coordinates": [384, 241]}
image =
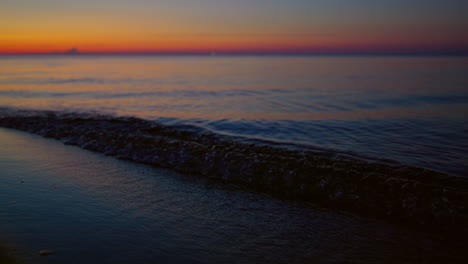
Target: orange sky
{"type": "Point", "coordinates": [45, 26]}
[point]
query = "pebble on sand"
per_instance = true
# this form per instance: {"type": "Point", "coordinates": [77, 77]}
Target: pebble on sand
{"type": "Point", "coordinates": [46, 252]}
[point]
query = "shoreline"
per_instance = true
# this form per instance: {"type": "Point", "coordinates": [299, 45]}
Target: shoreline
{"type": "Point", "coordinates": [403, 194]}
{"type": "Point", "coordinates": [88, 207]}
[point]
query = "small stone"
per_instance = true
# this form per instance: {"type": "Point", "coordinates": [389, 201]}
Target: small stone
{"type": "Point", "coordinates": [22, 181]}
{"type": "Point", "coordinates": [46, 252]}
{"type": "Point", "coordinates": [12, 202]}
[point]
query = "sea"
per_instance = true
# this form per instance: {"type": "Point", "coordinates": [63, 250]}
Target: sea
{"type": "Point", "coordinates": [86, 207]}
{"type": "Point", "coordinates": [411, 110]}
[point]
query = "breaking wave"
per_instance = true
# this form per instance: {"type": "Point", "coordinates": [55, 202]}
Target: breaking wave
{"type": "Point", "coordinates": [335, 179]}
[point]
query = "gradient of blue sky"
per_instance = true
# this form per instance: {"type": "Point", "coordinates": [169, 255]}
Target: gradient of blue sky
{"type": "Point", "coordinates": [224, 24]}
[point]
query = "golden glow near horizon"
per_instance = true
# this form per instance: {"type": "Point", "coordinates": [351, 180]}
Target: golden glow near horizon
{"type": "Point", "coordinates": [208, 25]}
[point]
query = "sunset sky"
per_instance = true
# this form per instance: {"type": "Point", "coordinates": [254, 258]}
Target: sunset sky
{"type": "Point", "coordinates": [236, 26]}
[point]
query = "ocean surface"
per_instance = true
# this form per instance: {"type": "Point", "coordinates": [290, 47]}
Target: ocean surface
{"type": "Point", "coordinates": [91, 208]}
{"type": "Point", "coordinates": [411, 110]}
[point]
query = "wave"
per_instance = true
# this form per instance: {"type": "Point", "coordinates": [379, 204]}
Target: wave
{"type": "Point", "coordinates": [403, 193]}
{"type": "Point", "coordinates": [107, 95]}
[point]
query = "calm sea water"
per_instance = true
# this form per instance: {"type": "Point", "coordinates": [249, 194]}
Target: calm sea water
{"type": "Point", "coordinates": [410, 109]}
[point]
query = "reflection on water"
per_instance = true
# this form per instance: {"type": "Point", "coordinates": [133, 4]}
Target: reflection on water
{"type": "Point", "coordinates": [239, 87]}
{"type": "Point", "coordinates": [410, 109]}
{"type": "Point", "coordinates": [89, 208]}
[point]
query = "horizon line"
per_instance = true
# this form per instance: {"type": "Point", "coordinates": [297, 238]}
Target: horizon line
{"type": "Point", "coordinates": [243, 53]}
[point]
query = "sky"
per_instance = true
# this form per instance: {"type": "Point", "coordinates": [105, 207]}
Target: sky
{"type": "Point", "coordinates": [234, 26]}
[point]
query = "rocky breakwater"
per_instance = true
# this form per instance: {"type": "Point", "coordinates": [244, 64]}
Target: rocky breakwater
{"type": "Point", "coordinates": [398, 193]}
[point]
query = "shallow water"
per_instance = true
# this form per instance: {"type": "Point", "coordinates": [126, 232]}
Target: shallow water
{"type": "Point", "coordinates": [409, 109]}
{"type": "Point", "coordinates": [90, 208]}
